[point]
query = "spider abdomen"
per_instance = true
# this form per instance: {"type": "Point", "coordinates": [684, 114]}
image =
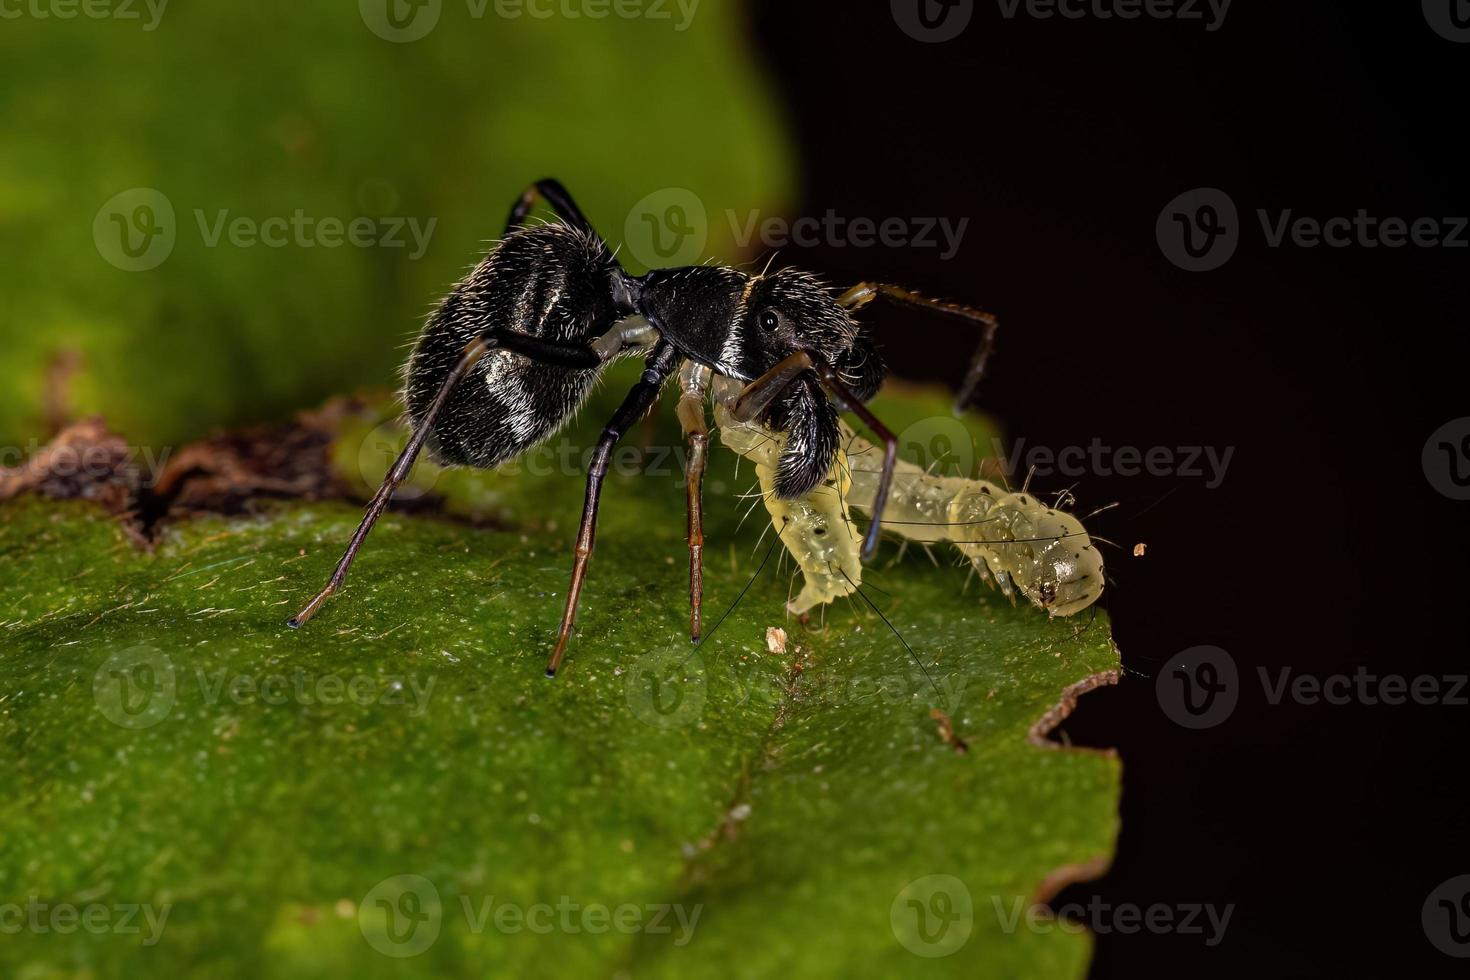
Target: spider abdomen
{"type": "Point", "coordinates": [548, 281]}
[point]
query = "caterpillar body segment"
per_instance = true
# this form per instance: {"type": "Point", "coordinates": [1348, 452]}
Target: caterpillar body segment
{"type": "Point", "coordinates": [1025, 546]}
{"type": "Point", "coordinates": [1012, 539]}
{"type": "Point", "coordinates": [816, 529]}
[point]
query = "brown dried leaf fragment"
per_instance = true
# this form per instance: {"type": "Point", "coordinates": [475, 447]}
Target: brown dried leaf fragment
{"type": "Point", "coordinates": [947, 733]}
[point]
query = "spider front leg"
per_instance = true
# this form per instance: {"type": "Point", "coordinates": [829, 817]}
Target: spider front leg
{"type": "Point", "coordinates": [659, 365]}
{"type": "Point", "coordinates": [556, 196]}
{"type": "Point", "coordinates": [758, 395]}
{"type": "Point", "coordinates": [865, 292]}
{"type": "Point", "coordinates": [694, 382]}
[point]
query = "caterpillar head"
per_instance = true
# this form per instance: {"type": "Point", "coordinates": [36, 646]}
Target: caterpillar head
{"type": "Point", "coordinates": [1044, 552]}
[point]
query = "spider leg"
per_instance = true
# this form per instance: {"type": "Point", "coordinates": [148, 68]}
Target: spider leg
{"type": "Point", "coordinates": [556, 196]}
{"type": "Point", "coordinates": [546, 351]}
{"type": "Point", "coordinates": [865, 292]}
{"type": "Point", "coordinates": [475, 350]}
{"type": "Point", "coordinates": [757, 396]}
{"type": "Point", "coordinates": [694, 382]}
{"type": "Point", "coordinates": [763, 390]}
{"type": "Point", "coordinates": [847, 400]}
{"type": "Point", "coordinates": [659, 365]}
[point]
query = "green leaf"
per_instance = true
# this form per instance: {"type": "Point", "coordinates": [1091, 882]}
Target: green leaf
{"type": "Point", "coordinates": [399, 767]}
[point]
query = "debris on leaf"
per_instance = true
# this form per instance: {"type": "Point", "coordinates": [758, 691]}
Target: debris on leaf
{"type": "Point", "coordinates": [85, 461]}
{"type": "Point", "coordinates": [947, 733]}
{"type": "Point", "coordinates": [225, 472]}
{"type": "Point", "coordinates": [1139, 549]}
{"type": "Point", "coordinates": [775, 640]}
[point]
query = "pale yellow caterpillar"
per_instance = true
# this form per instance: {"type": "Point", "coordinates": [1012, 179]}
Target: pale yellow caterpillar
{"type": "Point", "coordinates": [1011, 538]}
{"type": "Point", "coordinates": [816, 529]}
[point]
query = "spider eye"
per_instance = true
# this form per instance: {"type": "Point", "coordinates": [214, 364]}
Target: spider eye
{"type": "Point", "coordinates": [769, 320]}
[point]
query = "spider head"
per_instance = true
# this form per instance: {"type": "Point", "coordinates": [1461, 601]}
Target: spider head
{"type": "Point", "coordinates": [742, 325]}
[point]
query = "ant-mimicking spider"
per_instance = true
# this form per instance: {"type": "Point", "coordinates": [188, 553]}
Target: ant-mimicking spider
{"type": "Point", "coordinates": [517, 347]}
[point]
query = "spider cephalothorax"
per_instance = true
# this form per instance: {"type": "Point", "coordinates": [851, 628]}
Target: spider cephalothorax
{"type": "Point", "coordinates": [743, 325]}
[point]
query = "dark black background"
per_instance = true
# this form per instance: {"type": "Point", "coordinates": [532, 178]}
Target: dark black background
{"type": "Point", "coordinates": [1326, 369]}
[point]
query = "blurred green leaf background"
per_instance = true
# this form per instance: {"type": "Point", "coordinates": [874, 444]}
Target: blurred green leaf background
{"type": "Point", "coordinates": [272, 108]}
